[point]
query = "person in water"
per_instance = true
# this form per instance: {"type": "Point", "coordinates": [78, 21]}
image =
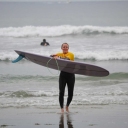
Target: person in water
{"type": "Point", "coordinates": [44, 43]}
{"type": "Point", "coordinates": [65, 78]}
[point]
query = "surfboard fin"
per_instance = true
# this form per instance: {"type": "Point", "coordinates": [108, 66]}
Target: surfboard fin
{"type": "Point", "coordinates": [20, 57]}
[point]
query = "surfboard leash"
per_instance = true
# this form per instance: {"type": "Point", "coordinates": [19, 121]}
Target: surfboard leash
{"type": "Point", "coordinates": [56, 64]}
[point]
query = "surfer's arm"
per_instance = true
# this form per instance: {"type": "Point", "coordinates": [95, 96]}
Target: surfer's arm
{"type": "Point", "coordinates": [53, 55]}
{"type": "Point", "coordinates": [56, 57]}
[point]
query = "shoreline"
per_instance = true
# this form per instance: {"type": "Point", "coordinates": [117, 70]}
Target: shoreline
{"type": "Point", "coordinates": [98, 116]}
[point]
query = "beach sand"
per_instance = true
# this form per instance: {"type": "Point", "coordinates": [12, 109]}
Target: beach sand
{"type": "Point", "coordinates": [97, 116]}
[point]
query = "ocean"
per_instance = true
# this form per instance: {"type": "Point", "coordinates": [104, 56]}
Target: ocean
{"type": "Point", "coordinates": [97, 33]}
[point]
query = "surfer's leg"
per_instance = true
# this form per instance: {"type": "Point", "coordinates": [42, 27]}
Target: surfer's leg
{"type": "Point", "coordinates": [62, 84]}
{"type": "Point", "coordinates": [70, 85]}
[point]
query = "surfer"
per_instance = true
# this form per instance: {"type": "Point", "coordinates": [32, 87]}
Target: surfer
{"type": "Point", "coordinates": [44, 43]}
{"type": "Point", "coordinates": [65, 78]}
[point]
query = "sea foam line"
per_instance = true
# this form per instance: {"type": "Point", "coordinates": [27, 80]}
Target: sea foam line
{"type": "Point", "coordinates": [87, 55]}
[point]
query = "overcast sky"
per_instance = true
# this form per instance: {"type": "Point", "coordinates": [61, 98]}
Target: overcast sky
{"type": "Point", "coordinates": [62, 0]}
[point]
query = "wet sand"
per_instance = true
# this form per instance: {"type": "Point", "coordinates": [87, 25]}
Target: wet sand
{"type": "Point", "coordinates": [97, 116]}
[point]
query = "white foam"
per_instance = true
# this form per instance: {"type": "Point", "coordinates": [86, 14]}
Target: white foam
{"type": "Point", "coordinates": [91, 55]}
{"type": "Point", "coordinates": [89, 96]}
{"type": "Point", "coordinates": [102, 55]}
{"type": "Point", "coordinates": [53, 31]}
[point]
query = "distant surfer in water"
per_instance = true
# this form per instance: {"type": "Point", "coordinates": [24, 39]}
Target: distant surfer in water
{"type": "Point", "coordinates": [44, 43]}
{"type": "Point", "coordinates": [65, 78]}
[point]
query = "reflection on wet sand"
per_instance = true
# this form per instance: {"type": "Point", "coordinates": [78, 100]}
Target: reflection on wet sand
{"type": "Point", "coordinates": [69, 121]}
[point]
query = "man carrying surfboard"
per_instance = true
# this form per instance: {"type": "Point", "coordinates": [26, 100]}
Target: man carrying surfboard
{"type": "Point", "coordinates": [65, 78]}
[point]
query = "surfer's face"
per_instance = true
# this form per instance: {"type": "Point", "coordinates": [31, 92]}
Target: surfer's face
{"type": "Point", "coordinates": [65, 48]}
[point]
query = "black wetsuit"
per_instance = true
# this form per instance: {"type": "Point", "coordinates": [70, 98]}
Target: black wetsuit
{"type": "Point", "coordinates": [69, 79]}
{"type": "Point", "coordinates": [44, 43]}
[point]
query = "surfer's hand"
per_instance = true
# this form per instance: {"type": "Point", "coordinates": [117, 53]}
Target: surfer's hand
{"type": "Point", "coordinates": [54, 56]}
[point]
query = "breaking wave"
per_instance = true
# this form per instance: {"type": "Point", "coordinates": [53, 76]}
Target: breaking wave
{"type": "Point", "coordinates": [85, 55]}
{"type": "Point", "coordinates": [53, 31]}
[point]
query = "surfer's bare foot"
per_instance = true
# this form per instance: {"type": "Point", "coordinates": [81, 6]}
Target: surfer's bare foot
{"type": "Point", "coordinates": [67, 110]}
{"type": "Point", "coordinates": [62, 110]}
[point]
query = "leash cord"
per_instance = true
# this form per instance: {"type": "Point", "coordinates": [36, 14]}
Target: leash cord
{"type": "Point", "coordinates": [56, 64]}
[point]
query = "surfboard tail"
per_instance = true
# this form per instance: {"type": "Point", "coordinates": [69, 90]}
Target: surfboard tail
{"type": "Point", "coordinates": [20, 57]}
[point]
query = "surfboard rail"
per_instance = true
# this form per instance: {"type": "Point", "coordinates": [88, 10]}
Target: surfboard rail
{"type": "Point", "coordinates": [64, 65]}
